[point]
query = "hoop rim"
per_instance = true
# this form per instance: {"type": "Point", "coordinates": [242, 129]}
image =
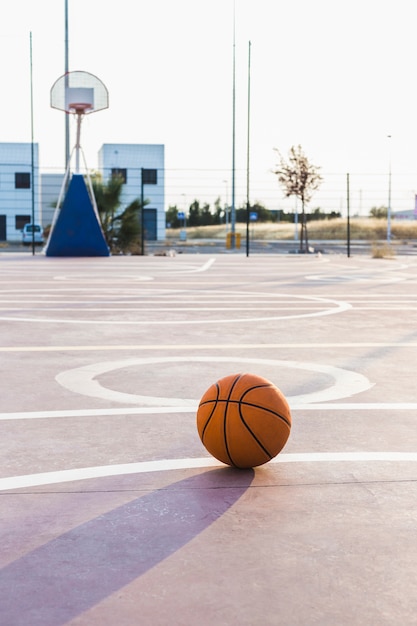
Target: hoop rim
{"type": "Point", "coordinates": [79, 107]}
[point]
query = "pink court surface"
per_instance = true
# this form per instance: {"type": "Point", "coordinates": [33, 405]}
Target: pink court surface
{"type": "Point", "coordinates": [113, 512]}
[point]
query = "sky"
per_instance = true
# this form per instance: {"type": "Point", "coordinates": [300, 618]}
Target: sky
{"type": "Point", "coordinates": [336, 77]}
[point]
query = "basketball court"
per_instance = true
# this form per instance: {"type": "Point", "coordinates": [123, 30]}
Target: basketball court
{"type": "Point", "coordinates": [112, 510]}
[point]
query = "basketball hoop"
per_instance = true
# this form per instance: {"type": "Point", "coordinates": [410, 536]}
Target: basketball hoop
{"type": "Point", "coordinates": [79, 93]}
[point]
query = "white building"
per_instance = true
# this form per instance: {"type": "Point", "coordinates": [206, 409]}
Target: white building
{"type": "Point", "coordinates": [51, 186]}
{"type": "Point", "coordinates": [411, 214]}
{"type": "Point", "coordinates": [19, 188]}
{"type": "Point", "coordinates": [143, 169]}
{"type": "Point", "coordinates": [142, 166]}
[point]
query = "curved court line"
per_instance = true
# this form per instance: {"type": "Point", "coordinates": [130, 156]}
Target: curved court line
{"type": "Point", "coordinates": [361, 275]}
{"type": "Point", "coordinates": [356, 279]}
{"type": "Point", "coordinates": [98, 278]}
{"type": "Point", "coordinates": [103, 471]}
{"type": "Point", "coordinates": [81, 380]}
{"type": "Point", "coordinates": [203, 268]}
{"type": "Point", "coordinates": [339, 307]}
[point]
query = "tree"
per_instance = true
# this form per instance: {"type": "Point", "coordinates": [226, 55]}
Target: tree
{"type": "Point", "coordinates": [262, 214]}
{"type": "Point", "coordinates": [219, 213]}
{"type": "Point", "coordinates": [127, 229]}
{"type": "Point", "coordinates": [379, 212]}
{"type": "Point", "coordinates": [107, 197]}
{"type": "Point", "coordinates": [122, 231]}
{"type": "Point", "coordinates": [206, 216]}
{"type": "Point", "coordinates": [171, 217]}
{"type": "Point", "coordinates": [299, 178]}
{"type": "Point", "coordinates": [194, 213]}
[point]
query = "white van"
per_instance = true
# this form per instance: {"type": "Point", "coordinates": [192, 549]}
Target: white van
{"type": "Point", "coordinates": [32, 232]}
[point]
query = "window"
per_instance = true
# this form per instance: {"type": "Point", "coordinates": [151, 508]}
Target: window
{"type": "Point", "coordinates": [149, 177]}
{"type": "Point", "coordinates": [22, 180]}
{"type": "Point", "coordinates": [33, 228]}
{"type": "Point", "coordinates": [20, 221]}
{"type": "Point", "coordinates": [119, 171]}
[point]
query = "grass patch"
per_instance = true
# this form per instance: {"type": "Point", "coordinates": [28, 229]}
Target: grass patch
{"type": "Point", "coordinates": [382, 251]}
{"type": "Point", "coordinates": [362, 229]}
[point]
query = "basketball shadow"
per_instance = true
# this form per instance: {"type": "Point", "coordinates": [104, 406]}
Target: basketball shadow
{"type": "Point", "coordinates": [70, 574]}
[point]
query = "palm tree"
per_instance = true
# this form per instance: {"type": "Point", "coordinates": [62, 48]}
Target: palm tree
{"type": "Point", "coordinates": [127, 229]}
{"type": "Point", "coordinates": [122, 231]}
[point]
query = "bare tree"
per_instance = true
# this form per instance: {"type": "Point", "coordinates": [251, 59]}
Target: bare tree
{"type": "Point", "coordinates": [299, 178]}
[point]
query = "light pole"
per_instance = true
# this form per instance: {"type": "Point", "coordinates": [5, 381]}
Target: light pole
{"type": "Point", "coordinates": [389, 195]}
{"type": "Point", "coordinates": [348, 213]}
{"type": "Point", "coordinates": [233, 206]}
{"type": "Point", "coordinates": [296, 220]}
{"type": "Point", "coordinates": [247, 156]}
{"type": "Point", "coordinates": [142, 212]}
{"type": "Point", "coordinates": [227, 205]}
{"type": "Point", "coordinates": [183, 232]}
{"type": "Point", "coordinates": [67, 128]}
{"type": "Point", "coordinates": [32, 176]}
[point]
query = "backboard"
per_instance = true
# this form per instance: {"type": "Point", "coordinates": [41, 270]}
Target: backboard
{"type": "Point", "coordinates": [80, 93]}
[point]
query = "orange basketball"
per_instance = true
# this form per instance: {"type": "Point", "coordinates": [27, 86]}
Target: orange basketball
{"type": "Point", "coordinates": [243, 420]}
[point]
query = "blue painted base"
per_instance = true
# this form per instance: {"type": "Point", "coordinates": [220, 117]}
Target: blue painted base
{"type": "Point", "coordinates": [77, 230]}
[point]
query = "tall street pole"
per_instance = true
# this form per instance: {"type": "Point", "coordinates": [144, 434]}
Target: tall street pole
{"type": "Point", "coordinates": [67, 132]}
{"type": "Point", "coordinates": [142, 214]}
{"type": "Point", "coordinates": [389, 195]}
{"type": "Point", "coordinates": [233, 206]}
{"type": "Point", "coordinates": [32, 149]}
{"type": "Point", "coordinates": [248, 157]}
{"type": "Point", "coordinates": [227, 206]}
{"type": "Point", "coordinates": [348, 214]}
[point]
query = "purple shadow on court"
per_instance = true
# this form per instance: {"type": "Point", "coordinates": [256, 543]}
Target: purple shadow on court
{"type": "Point", "coordinates": [75, 571]}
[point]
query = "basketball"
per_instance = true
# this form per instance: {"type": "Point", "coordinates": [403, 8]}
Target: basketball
{"type": "Point", "coordinates": [243, 420]}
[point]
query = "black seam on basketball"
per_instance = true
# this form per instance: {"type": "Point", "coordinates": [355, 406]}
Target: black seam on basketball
{"type": "Point", "coordinates": [260, 444]}
{"type": "Point", "coordinates": [211, 414]}
{"type": "Point", "coordinates": [232, 386]}
{"type": "Point", "coordinates": [228, 398]}
{"type": "Point", "coordinates": [256, 406]}
{"type": "Point", "coordinates": [264, 386]}
{"type": "Point", "coordinates": [267, 410]}
{"type": "Point", "coordinates": [210, 401]}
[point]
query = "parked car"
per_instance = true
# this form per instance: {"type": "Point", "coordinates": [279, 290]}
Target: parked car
{"type": "Point", "coordinates": [32, 232]}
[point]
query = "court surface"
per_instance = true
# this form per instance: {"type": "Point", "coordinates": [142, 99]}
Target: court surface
{"type": "Point", "coordinates": [112, 511]}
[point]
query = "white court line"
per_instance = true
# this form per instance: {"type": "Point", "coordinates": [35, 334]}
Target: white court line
{"type": "Point", "coordinates": [152, 410]}
{"type": "Point", "coordinates": [100, 280]}
{"type": "Point", "coordinates": [98, 412]}
{"type": "Point", "coordinates": [213, 346]}
{"type": "Point", "coordinates": [177, 309]}
{"type": "Point", "coordinates": [202, 268]}
{"type": "Point", "coordinates": [82, 380]}
{"type": "Point", "coordinates": [156, 268]}
{"type": "Point", "coordinates": [102, 471]}
{"type": "Point", "coordinates": [150, 299]}
{"type": "Point", "coordinates": [238, 320]}
{"type": "Point", "coordinates": [336, 306]}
